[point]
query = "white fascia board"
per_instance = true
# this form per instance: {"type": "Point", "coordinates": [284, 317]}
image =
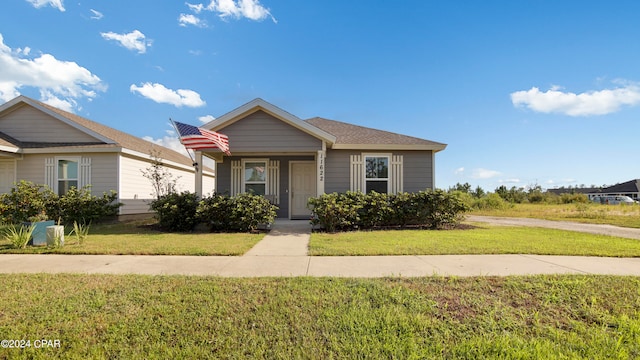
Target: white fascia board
{"type": "Point", "coordinates": [9, 149]}
{"type": "Point", "coordinates": [69, 150]}
{"type": "Point", "coordinates": [69, 122]}
{"type": "Point", "coordinates": [149, 158]}
{"type": "Point", "coordinates": [377, 147]}
{"type": "Point", "coordinates": [259, 104]}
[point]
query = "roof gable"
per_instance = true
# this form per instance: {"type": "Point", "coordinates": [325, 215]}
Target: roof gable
{"type": "Point", "coordinates": [261, 105]}
{"type": "Point", "coordinates": [337, 135]}
{"type": "Point", "coordinates": [105, 137]}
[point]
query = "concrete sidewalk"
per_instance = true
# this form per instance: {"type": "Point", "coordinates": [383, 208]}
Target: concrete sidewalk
{"type": "Point", "coordinates": [318, 266]}
{"type": "Point", "coordinates": [283, 252]}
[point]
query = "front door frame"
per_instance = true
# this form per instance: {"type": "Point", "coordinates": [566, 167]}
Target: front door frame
{"type": "Point", "coordinates": [291, 163]}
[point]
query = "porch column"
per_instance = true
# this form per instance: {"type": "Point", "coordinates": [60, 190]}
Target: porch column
{"type": "Point", "coordinates": [320, 170]}
{"type": "Point", "coordinates": [198, 173]}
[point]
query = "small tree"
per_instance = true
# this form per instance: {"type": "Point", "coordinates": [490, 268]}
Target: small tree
{"type": "Point", "coordinates": [162, 180]}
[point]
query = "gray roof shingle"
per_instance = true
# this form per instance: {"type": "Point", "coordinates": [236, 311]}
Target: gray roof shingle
{"type": "Point", "coordinates": [359, 135]}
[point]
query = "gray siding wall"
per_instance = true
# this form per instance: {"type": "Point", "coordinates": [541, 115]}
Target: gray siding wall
{"type": "Point", "coordinates": [31, 125]}
{"type": "Point", "coordinates": [261, 132]}
{"type": "Point", "coordinates": [223, 177]}
{"type": "Point", "coordinates": [417, 169]}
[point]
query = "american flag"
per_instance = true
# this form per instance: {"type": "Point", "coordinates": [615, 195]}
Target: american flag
{"type": "Point", "coordinates": [198, 139]}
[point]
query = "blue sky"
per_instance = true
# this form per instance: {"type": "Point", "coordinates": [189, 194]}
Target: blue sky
{"type": "Point", "coordinates": [523, 92]}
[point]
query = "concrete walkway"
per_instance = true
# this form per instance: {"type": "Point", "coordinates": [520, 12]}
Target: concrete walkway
{"type": "Point", "coordinates": [283, 252]}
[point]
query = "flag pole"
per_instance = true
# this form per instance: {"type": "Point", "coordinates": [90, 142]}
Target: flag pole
{"type": "Point", "coordinates": [194, 163]}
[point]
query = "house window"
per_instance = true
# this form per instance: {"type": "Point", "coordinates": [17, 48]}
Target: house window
{"type": "Point", "coordinates": [255, 177]}
{"type": "Point", "coordinates": [376, 169]}
{"type": "Point", "coordinates": [67, 175]}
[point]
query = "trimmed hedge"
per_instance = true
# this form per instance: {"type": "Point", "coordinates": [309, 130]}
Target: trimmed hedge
{"type": "Point", "coordinates": [434, 209]}
{"type": "Point", "coordinates": [183, 211]}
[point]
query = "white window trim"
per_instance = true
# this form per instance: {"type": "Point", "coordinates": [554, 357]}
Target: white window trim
{"type": "Point", "coordinates": [76, 159]}
{"type": "Point", "coordinates": [364, 169]}
{"type": "Point", "coordinates": [266, 172]}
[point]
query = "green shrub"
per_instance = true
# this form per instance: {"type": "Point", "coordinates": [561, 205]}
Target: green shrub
{"type": "Point", "coordinates": [78, 205]}
{"type": "Point", "coordinates": [215, 211]}
{"type": "Point", "coordinates": [24, 201]}
{"type": "Point", "coordinates": [574, 199]}
{"type": "Point", "coordinates": [492, 201]}
{"type": "Point", "coordinates": [346, 211]}
{"type": "Point", "coordinates": [336, 211]}
{"type": "Point", "coordinates": [249, 210]}
{"type": "Point", "coordinates": [376, 209]}
{"type": "Point", "coordinates": [176, 211]}
{"type": "Point", "coordinates": [244, 212]}
{"type": "Point", "coordinates": [438, 209]}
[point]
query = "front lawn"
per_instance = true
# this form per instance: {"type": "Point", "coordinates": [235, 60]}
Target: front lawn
{"type": "Point", "coordinates": [592, 213]}
{"type": "Point", "coordinates": [140, 238]}
{"type": "Point", "coordinates": [484, 239]}
{"type": "Point", "coordinates": [178, 317]}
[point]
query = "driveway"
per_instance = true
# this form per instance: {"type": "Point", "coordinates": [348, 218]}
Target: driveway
{"type": "Point", "coordinates": [610, 230]}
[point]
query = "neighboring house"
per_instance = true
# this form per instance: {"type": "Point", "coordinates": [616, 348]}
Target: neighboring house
{"type": "Point", "coordinates": [630, 188]}
{"type": "Point", "coordinates": [49, 146]}
{"type": "Point", "coordinates": [289, 160]}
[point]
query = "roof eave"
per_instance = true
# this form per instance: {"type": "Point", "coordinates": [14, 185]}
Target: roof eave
{"type": "Point", "coordinates": [259, 104]}
{"type": "Point", "coordinates": [420, 147]}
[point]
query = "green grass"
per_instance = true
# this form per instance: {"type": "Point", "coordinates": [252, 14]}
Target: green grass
{"type": "Point", "coordinates": [619, 215]}
{"type": "Point", "coordinates": [141, 239]}
{"type": "Point", "coordinates": [484, 239]}
{"type": "Point", "coordinates": [143, 317]}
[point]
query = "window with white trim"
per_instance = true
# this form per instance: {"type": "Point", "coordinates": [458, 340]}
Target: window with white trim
{"type": "Point", "coordinates": [255, 176]}
{"type": "Point", "coordinates": [67, 174]}
{"type": "Point", "coordinates": [376, 170]}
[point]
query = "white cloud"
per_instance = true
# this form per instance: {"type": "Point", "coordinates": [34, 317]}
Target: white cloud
{"type": "Point", "coordinates": [160, 94]}
{"type": "Point", "coordinates": [59, 82]}
{"type": "Point", "coordinates": [171, 141]}
{"type": "Point", "coordinates": [250, 9]}
{"type": "Point", "coordinates": [584, 104]}
{"type": "Point", "coordinates": [207, 118]}
{"type": "Point", "coordinates": [510, 181]}
{"type": "Point", "coordinates": [134, 40]}
{"type": "Point", "coordinates": [97, 15]}
{"type": "Point", "coordinates": [484, 174]}
{"type": "Point", "coordinates": [459, 171]}
{"type": "Point", "coordinates": [190, 19]}
{"type": "Point", "coordinates": [54, 3]}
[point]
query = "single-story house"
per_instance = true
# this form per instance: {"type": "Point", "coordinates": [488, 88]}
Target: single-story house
{"type": "Point", "coordinates": [46, 145]}
{"type": "Point", "coordinates": [289, 160]}
{"type": "Point", "coordinates": [629, 188]}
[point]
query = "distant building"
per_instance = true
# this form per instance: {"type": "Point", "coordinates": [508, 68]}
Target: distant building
{"type": "Point", "coordinates": [630, 188]}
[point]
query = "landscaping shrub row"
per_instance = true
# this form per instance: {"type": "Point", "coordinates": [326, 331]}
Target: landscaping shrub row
{"type": "Point", "coordinates": [29, 202]}
{"type": "Point", "coordinates": [435, 209]}
{"type": "Point", "coordinates": [183, 211]}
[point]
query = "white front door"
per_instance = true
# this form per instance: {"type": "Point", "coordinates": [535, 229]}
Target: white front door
{"type": "Point", "coordinates": [303, 187]}
{"type": "Point", "coordinates": [7, 175]}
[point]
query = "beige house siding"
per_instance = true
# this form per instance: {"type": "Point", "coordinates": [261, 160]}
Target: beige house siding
{"type": "Point", "coordinates": [136, 191]}
{"type": "Point", "coordinates": [261, 132]}
{"type": "Point", "coordinates": [32, 125]}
